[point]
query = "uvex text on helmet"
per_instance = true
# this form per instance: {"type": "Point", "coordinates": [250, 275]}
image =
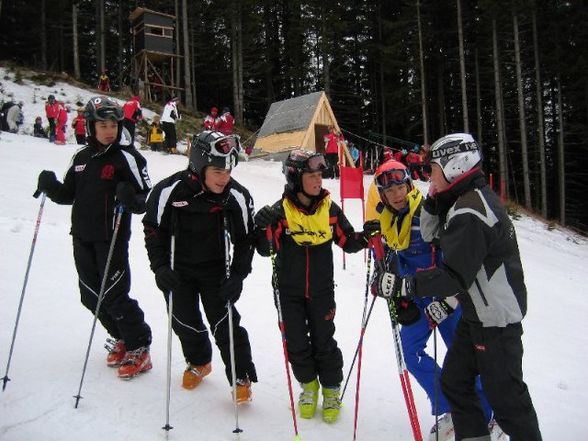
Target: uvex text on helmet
{"type": "Point", "coordinates": [215, 149]}
{"type": "Point", "coordinates": [102, 108]}
{"type": "Point", "coordinates": [456, 154]}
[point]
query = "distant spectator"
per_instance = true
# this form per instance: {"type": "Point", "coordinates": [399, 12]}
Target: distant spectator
{"type": "Point", "coordinates": [354, 152]}
{"type": "Point", "coordinates": [332, 140]}
{"type": "Point", "coordinates": [132, 114]}
{"type": "Point", "coordinates": [15, 117]}
{"type": "Point", "coordinates": [38, 129]}
{"type": "Point", "coordinates": [225, 122]}
{"type": "Point", "coordinates": [104, 81]}
{"type": "Point", "coordinates": [3, 111]}
{"type": "Point", "coordinates": [415, 164]}
{"type": "Point", "coordinates": [155, 136]}
{"type": "Point", "coordinates": [209, 122]}
{"type": "Point", "coordinates": [51, 111]}
{"type": "Point", "coordinates": [400, 156]}
{"type": "Point", "coordinates": [168, 123]}
{"type": "Point", "coordinates": [79, 126]}
{"type": "Point", "coordinates": [61, 123]}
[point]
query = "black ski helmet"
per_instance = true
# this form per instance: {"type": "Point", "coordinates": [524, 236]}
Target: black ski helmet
{"type": "Point", "coordinates": [51, 99]}
{"type": "Point", "coordinates": [102, 108]}
{"type": "Point", "coordinates": [301, 161]}
{"type": "Point", "coordinates": [215, 149]}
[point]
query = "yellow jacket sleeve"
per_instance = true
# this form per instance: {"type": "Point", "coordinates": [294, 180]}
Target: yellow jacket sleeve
{"type": "Point", "coordinates": [373, 199]}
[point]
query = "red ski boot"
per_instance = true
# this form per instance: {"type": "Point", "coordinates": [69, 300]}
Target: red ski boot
{"type": "Point", "coordinates": [134, 363]}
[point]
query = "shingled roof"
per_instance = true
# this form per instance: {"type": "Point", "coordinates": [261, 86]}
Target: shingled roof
{"type": "Point", "coordinates": [290, 115]}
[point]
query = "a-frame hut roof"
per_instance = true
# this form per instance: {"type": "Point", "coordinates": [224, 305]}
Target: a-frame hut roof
{"type": "Point", "coordinates": [291, 123]}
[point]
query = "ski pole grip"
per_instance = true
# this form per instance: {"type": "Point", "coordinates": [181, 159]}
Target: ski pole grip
{"type": "Point", "coordinates": [268, 233]}
{"type": "Point", "coordinates": [375, 242]}
{"type": "Point", "coordinates": [37, 193]}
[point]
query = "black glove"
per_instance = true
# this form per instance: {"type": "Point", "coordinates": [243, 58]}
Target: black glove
{"type": "Point", "coordinates": [265, 216]}
{"type": "Point", "coordinates": [407, 312]}
{"type": "Point", "coordinates": [230, 289]}
{"type": "Point", "coordinates": [431, 205]}
{"type": "Point", "coordinates": [371, 228]}
{"type": "Point", "coordinates": [47, 181]}
{"type": "Point", "coordinates": [167, 279]}
{"type": "Point", "coordinates": [439, 310]}
{"type": "Point", "coordinates": [383, 284]}
{"type": "Point", "coordinates": [126, 195]}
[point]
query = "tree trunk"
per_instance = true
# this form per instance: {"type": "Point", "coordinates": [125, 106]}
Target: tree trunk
{"type": "Point", "coordinates": [178, 52]}
{"type": "Point", "coordinates": [236, 56]}
{"type": "Point", "coordinates": [121, 48]}
{"type": "Point", "coordinates": [76, 49]}
{"type": "Point", "coordinates": [499, 114]}
{"type": "Point", "coordinates": [381, 68]}
{"type": "Point", "coordinates": [464, 95]}
{"type": "Point", "coordinates": [441, 101]}
{"type": "Point", "coordinates": [193, 65]}
{"type": "Point", "coordinates": [101, 36]}
{"type": "Point", "coordinates": [478, 101]}
{"type": "Point", "coordinates": [540, 116]}
{"type": "Point", "coordinates": [423, 82]}
{"type": "Point", "coordinates": [560, 155]}
{"type": "Point", "coordinates": [43, 35]}
{"type": "Point", "coordinates": [522, 123]}
{"type": "Point", "coordinates": [187, 80]}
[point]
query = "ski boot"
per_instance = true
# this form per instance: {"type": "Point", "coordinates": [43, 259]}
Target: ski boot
{"type": "Point", "coordinates": [243, 391]}
{"type": "Point", "coordinates": [134, 363]}
{"type": "Point", "coordinates": [116, 352]}
{"type": "Point", "coordinates": [193, 375]}
{"type": "Point", "coordinates": [307, 400]}
{"type": "Point", "coordinates": [331, 404]}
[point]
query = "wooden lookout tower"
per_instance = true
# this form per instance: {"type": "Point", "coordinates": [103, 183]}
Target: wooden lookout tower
{"type": "Point", "coordinates": [155, 57]}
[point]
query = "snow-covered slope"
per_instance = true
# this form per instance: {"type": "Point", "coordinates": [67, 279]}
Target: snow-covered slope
{"type": "Point", "coordinates": [54, 330]}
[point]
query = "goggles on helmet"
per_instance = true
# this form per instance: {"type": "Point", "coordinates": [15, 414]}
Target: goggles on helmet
{"type": "Point", "coordinates": [316, 163]}
{"type": "Point", "coordinates": [224, 146]}
{"type": "Point", "coordinates": [392, 177]}
{"type": "Point", "coordinates": [109, 112]}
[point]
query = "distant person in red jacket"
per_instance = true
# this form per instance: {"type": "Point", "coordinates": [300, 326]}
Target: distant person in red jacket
{"type": "Point", "coordinates": [332, 140]}
{"type": "Point", "coordinates": [104, 81]}
{"type": "Point", "coordinates": [209, 122]}
{"type": "Point", "coordinates": [61, 123]}
{"type": "Point", "coordinates": [415, 164]}
{"type": "Point", "coordinates": [51, 111]}
{"type": "Point", "coordinates": [225, 122]}
{"type": "Point", "coordinates": [79, 126]}
{"type": "Point", "coordinates": [132, 114]}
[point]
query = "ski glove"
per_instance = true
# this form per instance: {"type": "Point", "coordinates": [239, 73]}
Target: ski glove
{"type": "Point", "coordinates": [167, 279]}
{"type": "Point", "coordinates": [47, 181]}
{"type": "Point", "coordinates": [383, 284]}
{"type": "Point", "coordinates": [126, 195]}
{"type": "Point", "coordinates": [371, 228]}
{"type": "Point", "coordinates": [407, 312]}
{"type": "Point", "coordinates": [439, 310]}
{"type": "Point", "coordinates": [230, 289]}
{"type": "Point", "coordinates": [265, 216]}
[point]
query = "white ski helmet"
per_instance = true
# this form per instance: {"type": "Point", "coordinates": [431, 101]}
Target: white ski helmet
{"type": "Point", "coordinates": [456, 154]}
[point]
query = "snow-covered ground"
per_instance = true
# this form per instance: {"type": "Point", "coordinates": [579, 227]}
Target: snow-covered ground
{"type": "Point", "coordinates": [54, 329]}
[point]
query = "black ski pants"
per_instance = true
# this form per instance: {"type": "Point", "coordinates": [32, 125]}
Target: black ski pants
{"type": "Point", "coordinates": [202, 285]}
{"type": "Point", "coordinates": [170, 135]}
{"type": "Point", "coordinates": [496, 355]}
{"type": "Point", "coordinates": [120, 315]}
{"type": "Point", "coordinates": [310, 330]}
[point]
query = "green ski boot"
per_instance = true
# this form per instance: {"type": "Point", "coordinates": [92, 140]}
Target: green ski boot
{"type": "Point", "coordinates": [308, 399]}
{"type": "Point", "coordinates": [331, 404]}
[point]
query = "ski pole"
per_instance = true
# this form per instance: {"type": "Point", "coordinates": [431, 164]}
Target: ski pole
{"type": "Point", "coordinates": [436, 379]}
{"type": "Point", "coordinates": [364, 321]}
{"type": "Point", "coordinates": [6, 379]}
{"type": "Point", "coordinates": [119, 212]}
{"type": "Point", "coordinates": [231, 328]}
{"type": "Point", "coordinates": [282, 327]}
{"type": "Point", "coordinates": [170, 301]}
{"type": "Point", "coordinates": [402, 370]}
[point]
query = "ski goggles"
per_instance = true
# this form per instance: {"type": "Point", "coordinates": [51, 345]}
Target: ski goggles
{"type": "Point", "coordinates": [392, 177]}
{"type": "Point", "coordinates": [225, 146]}
{"type": "Point", "coordinates": [109, 112]}
{"type": "Point", "coordinates": [316, 163]}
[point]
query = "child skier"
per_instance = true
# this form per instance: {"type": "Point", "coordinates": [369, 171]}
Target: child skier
{"type": "Point", "coordinates": [101, 175]}
{"type": "Point", "coordinates": [79, 126]}
{"type": "Point", "coordinates": [305, 223]}
{"type": "Point", "coordinates": [194, 212]}
{"type": "Point", "coordinates": [155, 135]}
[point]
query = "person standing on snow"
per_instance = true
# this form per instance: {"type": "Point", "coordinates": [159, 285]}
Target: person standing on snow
{"type": "Point", "coordinates": [399, 211]}
{"type": "Point", "coordinates": [133, 113]}
{"type": "Point", "coordinates": [332, 140]}
{"type": "Point", "coordinates": [168, 123]}
{"type": "Point", "coordinates": [61, 123]}
{"type": "Point", "coordinates": [305, 223]}
{"type": "Point", "coordinates": [79, 126]}
{"type": "Point", "coordinates": [481, 264]}
{"type": "Point", "coordinates": [195, 212]}
{"type": "Point", "coordinates": [102, 175]}
{"type": "Point", "coordinates": [209, 123]}
{"type": "Point", "coordinates": [225, 123]}
{"type": "Point", "coordinates": [51, 111]}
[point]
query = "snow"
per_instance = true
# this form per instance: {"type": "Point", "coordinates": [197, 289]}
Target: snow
{"type": "Point", "coordinates": [54, 328]}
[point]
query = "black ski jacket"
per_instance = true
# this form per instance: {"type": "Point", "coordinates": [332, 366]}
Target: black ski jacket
{"type": "Point", "coordinates": [481, 260]}
{"type": "Point", "coordinates": [308, 270]}
{"type": "Point", "coordinates": [196, 217]}
{"type": "Point", "coordinates": [90, 185]}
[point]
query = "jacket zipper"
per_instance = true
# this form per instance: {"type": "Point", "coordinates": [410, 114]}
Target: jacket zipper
{"type": "Point", "coordinates": [481, 292]}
